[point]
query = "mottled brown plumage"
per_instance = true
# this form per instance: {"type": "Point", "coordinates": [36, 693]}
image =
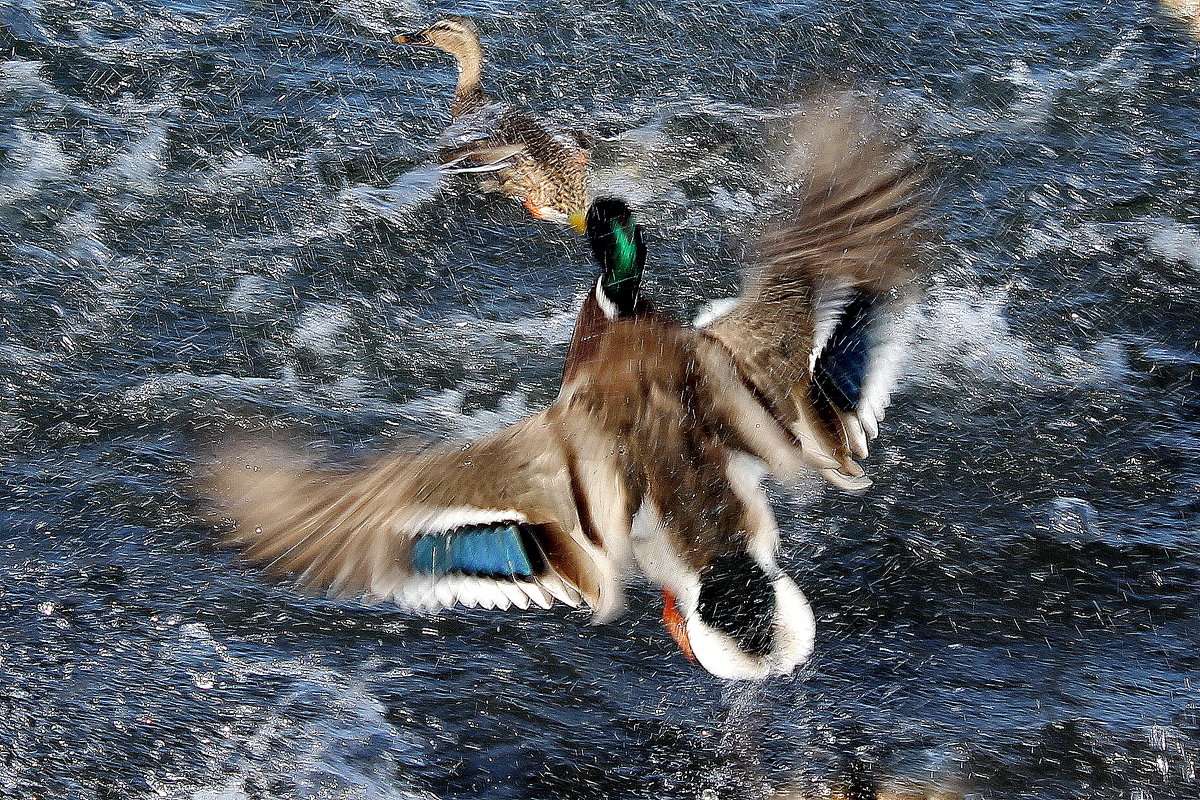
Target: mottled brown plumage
{"type": "Point", "coordinates": [523, 157]}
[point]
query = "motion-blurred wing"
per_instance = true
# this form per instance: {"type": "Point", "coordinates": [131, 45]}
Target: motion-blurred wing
{"type": "Point", "coordinates": [477, 125]}
{"type": "Point", "coordinates": [504, 521]}
{"type": "Point", "coordinates": [407, 192]}
{"type": "Point", "coordinates": [818, 331]}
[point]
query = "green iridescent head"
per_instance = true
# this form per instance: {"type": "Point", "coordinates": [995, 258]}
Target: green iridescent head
{"type": "Point", "coordinates": [617, 245]}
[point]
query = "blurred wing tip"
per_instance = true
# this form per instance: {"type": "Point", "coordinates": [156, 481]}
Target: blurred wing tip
{"type": "Point", "coordinates": [560, 590]}
{"type": "Point", "coordinates": [869, 419]}
{"type": "Point", "coordinates": [850, 483]}
{"type": "Point", "coordinates": [856, 436]}
{"type": "Point", "coordinates": [814, 454]}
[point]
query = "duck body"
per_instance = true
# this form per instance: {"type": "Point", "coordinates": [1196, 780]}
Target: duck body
{"type": "Point", "coordinates": [544, 169]}
{"type": "Point", "coordinates": [652, 456]}
{"type": "Point", "coordinates": [697, 522]}
{"type": "Point", "coordinates": [511, 150]}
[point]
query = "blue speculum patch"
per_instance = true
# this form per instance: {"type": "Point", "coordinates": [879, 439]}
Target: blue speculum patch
{"type": "Point", "coordinates": [496, 551]}
{"type": "Point", "coordinates": [841, 368]}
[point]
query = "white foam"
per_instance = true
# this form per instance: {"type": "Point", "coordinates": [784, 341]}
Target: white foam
{"type": "Point", "coordinates": [397, 202]}
{"type": "Point", "coordinates": [250, 294]}
{"type": "Point", "coordinates": [321, 328]}
{"type": "Point", "coordinates": [141, 167]}
{"type": "Point", "coordinates": [237, 174]}
{"type": "Point", "coordinates": [1171, 240]}
{"type": "Point", "coordinates": [1075, 521]}
{"type": "Point", "coordinates": [22, 357]}
{"type": "Point", "coordinates": [650, 163]}
{"type": "Point", "coordinates": [83, 231]}
{"type": "Point", "coordinates": [376, 15]}
{"type": "Point", "coordinates": [738, 201]}
{"type": "Point", "coordinates": [468, 336]}
{"type": "Point", "coordinates": [512, 409]}
{"type": "Point", "coordinates": [446, 410]}
{"type": "Point", "coordinates": [171, 386]}
{"type": "Point", "coordinates": [1037, 93]}
{"type": "Point", "coordinates": [24, 77]}
{"type": "Point", "coordinates": [37, 159]}
{"type": "Point", "coordinates": [324, 736]}
{"type": "Point", "coordinates": [969, 331]}
{"type": "Point", "coordinates": [1089, 239]}
{"type": "Point", "coordinates": [1176, 242]}
{"type": "Point", "coordinates": [1114, 73]}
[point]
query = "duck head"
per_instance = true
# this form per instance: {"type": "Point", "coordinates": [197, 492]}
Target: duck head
{"type": "Point", "coordinates": [457, 36]}
{"type": "Point", "coordinates": [616, 242]}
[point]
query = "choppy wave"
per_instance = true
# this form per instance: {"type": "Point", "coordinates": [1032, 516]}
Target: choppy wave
{"type": "Point", "coordinates": [208, 216]}
{"type": "Point", "coordinates": [964, 340]}
{"type": "Point", "coordinates": [324, 736]}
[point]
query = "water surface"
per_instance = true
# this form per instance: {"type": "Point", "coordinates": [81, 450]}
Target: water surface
{"type": "Point", "coordinates": [1012, 607]}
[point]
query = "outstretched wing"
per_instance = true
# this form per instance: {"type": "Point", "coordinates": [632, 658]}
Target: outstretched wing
{"type": "Point", "coordinates": [508, 520]}
{"type": "Point", "coordinates": [817, 331]}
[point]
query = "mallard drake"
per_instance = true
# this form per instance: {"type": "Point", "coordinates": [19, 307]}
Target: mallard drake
{"type": "Point", "coordinates": [527, 159]}
{"type": "Point", "coordinates": [654, 451]}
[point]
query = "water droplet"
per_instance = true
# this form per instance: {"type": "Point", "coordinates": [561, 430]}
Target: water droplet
{"type": "Point", "coordinates": [1072, 520]}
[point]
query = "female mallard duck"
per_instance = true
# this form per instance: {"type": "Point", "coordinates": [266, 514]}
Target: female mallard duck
{"type": "Point", "coordinates": [544, 169]}
{"type": "Point", "coordinates": [654, 450]}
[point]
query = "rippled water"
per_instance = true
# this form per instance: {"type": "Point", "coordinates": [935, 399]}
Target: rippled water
{"type": "Point", "coordinates": [184, 241]}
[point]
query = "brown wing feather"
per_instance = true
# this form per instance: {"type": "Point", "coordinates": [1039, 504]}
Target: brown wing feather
{"type": "Point", "coordinates": [352, 532]}
{"type": "Point", "coordinates": [846, 225]}
{"type": "Point", "coordinates": [551, 171]}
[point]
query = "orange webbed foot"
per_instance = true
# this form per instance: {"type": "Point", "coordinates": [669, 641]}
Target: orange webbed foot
{"type": "Point", "coordinates": [535, 211]}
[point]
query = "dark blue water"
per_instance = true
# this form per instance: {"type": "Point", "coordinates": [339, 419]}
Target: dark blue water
{"type": "Point", "coordinates": [1010, 612]}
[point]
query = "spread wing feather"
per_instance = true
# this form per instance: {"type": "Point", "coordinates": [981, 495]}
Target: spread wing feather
{"type": "Point", "coordinates": [495, 523]}
{"type": "Point", "coordinates": [818, 328]}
